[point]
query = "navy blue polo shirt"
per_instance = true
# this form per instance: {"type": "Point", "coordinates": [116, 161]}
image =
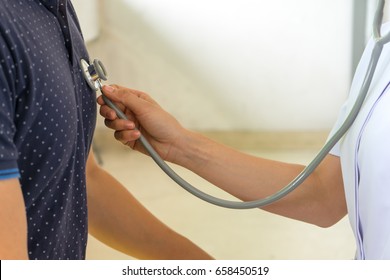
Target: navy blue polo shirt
{"type": "Point", "coordinates": [47, 119]}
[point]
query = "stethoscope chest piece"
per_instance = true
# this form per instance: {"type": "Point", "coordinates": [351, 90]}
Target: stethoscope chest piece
{"type": "Point", "coordinates": [94, 73]}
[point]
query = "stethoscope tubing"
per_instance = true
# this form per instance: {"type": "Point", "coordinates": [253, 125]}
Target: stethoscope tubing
{"type": "Point", "coordinates": [309, 169]}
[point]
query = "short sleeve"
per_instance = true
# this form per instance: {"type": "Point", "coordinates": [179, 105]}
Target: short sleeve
{"type": "Point", "coordinates": [8, 152]}
{"type": "Point", "coordinates": [353, 94]}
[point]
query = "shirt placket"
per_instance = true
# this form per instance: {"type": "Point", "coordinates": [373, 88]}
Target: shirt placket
{"type": "Point", "coordinates": [60, 10]}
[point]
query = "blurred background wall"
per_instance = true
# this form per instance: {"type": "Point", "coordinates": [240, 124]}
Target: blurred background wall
{"type": "Point", "coordinates": [254, 65]}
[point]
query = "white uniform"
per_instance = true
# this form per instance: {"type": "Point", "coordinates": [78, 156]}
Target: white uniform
{"type": "Point", "coordinates": [365, 157]}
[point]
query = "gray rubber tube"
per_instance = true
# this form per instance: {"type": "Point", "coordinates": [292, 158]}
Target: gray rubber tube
{"type": "Point", "coordinates": [379, 43]}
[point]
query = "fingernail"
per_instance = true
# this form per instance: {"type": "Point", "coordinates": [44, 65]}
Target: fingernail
{"type": "Point", "coordinates": [130, 125]}
{"type": "Point", "coordinates": [109, 89]}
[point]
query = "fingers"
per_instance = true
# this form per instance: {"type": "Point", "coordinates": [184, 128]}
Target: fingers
{"type": "Point", "coordinates": [127, 137]}
{"type": "Point", "coordinates": [107, 113]}
{"type": "Point", "coordinates": [125, 131]}
{"type": "Point", "coordinates": [133, 100]}
{"type": "Point", "coordinates": [134, 104]}
{"type": "Point", "coordinates": [127, 91]}
{"type": "Point", "coordinates": [119, 124]}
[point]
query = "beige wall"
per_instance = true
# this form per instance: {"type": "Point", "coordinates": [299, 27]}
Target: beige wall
{"type": "Point", "coordinates": [232, 65]}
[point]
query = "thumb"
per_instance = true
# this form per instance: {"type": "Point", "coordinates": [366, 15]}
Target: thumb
{"type": "Point", "coordinates": [131, 99]}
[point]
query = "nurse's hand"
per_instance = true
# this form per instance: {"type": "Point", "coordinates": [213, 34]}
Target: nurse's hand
{"type": "Point", "coordinates": [145, 116]}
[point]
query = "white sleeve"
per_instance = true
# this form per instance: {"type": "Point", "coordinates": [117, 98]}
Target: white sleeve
{"type": "Point", "coordinates": [353, 94]}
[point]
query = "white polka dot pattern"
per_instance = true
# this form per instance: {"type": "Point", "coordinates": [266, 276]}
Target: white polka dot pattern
{"type": "Point", "coordinates": [47, 118]}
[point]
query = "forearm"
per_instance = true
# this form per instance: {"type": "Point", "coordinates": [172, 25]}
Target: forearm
{"type": "Point", "coordinates": [319, 200]}
{"type": "Point", "coordinates": [13, 222]}
{"type": "Point", "coordinates": [249, 178]}
{"type": "Point", "coordinates": [119, 220]}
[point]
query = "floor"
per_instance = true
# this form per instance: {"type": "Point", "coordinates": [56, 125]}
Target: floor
{"type": "Point", "coordinates": [225, 234]}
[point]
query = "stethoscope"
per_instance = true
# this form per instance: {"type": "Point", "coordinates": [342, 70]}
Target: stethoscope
{"type": "Point", "coordinates": [96, 72]}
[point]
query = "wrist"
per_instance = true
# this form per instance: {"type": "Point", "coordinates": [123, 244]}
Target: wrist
{"type": "Point", "coordinates": [191, 150]}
